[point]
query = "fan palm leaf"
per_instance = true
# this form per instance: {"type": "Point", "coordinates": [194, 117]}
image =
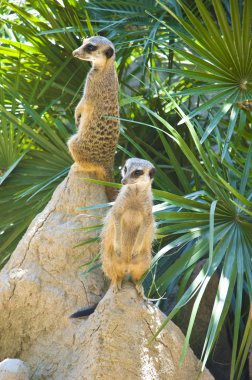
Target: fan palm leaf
{"type": "Point", "coordinates": [217, 226]}
{"type": "Point", "coordinates": [221, 55]}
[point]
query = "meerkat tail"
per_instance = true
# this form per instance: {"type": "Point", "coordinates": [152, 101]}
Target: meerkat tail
{"type": "Point", "coordinates": [85, 312]}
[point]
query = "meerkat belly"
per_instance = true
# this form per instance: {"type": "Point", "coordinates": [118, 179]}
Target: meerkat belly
{"type": "Point", "coordinates": [131, 222]}
{"type": "Point", "coordinates": [132, 219]}
{"type": "Point", "coordinates": [100, 139]}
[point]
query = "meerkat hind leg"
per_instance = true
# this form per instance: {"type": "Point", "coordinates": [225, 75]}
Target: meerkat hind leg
{"type": "Point", "coordinates": [136, 275]}
{"type": "Point", "coordinates": [116, 285]}
{"type": "Point", "coordinates": [112, 273]}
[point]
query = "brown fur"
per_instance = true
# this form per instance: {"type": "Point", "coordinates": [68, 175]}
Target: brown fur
{"type": "Point", "coordinates": [129, 229]}
{"type": "Point", "coordinates": [93, 146]}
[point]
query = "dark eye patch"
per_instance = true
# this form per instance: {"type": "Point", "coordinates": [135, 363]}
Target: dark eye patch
{"type": "Point", "coordinates": [137, 173]}
{"type": "Point", "coordinates": [109, 52]}
{"type": "Point", "coordinates": [89, 47]}
{"type": "Point", "coordinates": [152, 172]}
{"type": "Point", "coordinates": [125, 169]}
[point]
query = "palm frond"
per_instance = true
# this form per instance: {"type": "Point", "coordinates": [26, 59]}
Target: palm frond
{"type": "Point", "coordinates": [221, 55]}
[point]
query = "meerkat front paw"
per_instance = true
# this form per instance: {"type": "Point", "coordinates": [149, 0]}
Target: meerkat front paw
{"type": "Point", "coordinates": [77, 116]}
{"type": "Point", "coordinates": [72, 144]}
{"type": "Point", "coordinates": [79, 110]}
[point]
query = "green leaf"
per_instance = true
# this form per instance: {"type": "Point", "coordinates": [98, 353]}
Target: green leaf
{"type": "Point", "coordinates": [238, 306]}
{"type": "Point", "coordinates": [240, 197]}
{"type": "Point", "coordinates": [193, 317]}
{"type": "Point", "coordinates": [244, 348]}
{"type": "Point", "coordinates": [198, 281]}
{"type": "Point", "coordinates": [227, 34]}
{"type": "Point", "coordinates": [211, 232]}
{"type": "Point", "coordinates": [87, 241]}
{"type": "Point", "coordinates": [181, 176]}
{"type": "Point", "coordinates": [11, 168]}
{"type": "Point", "coordinates": [89, 25]}
{"type": "Point", "coordinates": [210, 103]}
{"type": "Point", "coordinates": [180, 201]}
{"type": "Point", "coordinates": [104, 183]}
{"type": "Point", "coordinates": [222, 299]}
{"type": "Point", "coordinates": [232, 123]}
{"type": "Point", "coordinates": [247, 168]}
{"type": "Point", "coordinates": [199, 76]}
{"type": "Point", "coordinates": [215, 121]}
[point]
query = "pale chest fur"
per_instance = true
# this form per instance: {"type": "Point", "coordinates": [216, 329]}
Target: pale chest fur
{"type": "Point", "coordinates": [134, 204]}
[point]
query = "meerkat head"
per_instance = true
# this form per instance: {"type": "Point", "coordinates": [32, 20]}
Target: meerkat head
{"type": "Point", "coordinates": [98, 50]}
{"type": "Point", "coordinates": [137, 171]}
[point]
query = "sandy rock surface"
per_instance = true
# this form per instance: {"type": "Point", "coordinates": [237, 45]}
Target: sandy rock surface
{"type": "Point", "coordinates": [116, 336]}
{"type": "Point", "coordinates": [41, 284]}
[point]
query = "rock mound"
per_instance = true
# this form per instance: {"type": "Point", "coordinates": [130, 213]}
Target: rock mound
{"type": "Point", "coordinates": [113, 343]}
{"type": "Point", "coordinates": [41, 286]}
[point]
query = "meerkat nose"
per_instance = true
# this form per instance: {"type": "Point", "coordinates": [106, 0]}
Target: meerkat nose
{"type": "Point", "coordinates": [123, 181]}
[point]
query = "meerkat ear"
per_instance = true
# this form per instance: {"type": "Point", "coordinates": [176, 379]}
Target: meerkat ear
{"type": "Point", "coordinates": [152, 172]}
{"type": "Point", "coordinates": [109, 52]}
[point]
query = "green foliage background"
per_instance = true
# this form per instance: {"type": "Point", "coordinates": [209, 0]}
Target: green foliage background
{"type": "Point", "coordinates": [185, 72]}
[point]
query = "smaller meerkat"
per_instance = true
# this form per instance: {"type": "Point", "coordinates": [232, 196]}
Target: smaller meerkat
{"type": "Point", "coordinates": [128, 232]}
{"type": "Point", "coordinates": [93, 146]}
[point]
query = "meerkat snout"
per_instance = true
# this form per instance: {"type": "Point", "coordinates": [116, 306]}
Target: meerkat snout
{"type": "Point", "coordinates": [137, 171]}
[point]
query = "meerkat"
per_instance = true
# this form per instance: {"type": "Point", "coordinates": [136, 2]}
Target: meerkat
{"type": "Point", "coordinates": [93, 146]}
{"type": "Point", "coordinates": [128, 232]}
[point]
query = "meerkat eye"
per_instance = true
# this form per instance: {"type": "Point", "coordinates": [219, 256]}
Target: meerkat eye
{"type": "Point", "coordinates": [137, 173]}
{"type": "Point", "coordinates": [89, 47]}
{"type": "Point", "coordinates": [125, 169]}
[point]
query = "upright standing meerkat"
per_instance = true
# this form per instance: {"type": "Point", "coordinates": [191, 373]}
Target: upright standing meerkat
{"type": "Point", "coordinates": [93, 146]}
{"type": "Point", "coordinates": [128, 232]}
